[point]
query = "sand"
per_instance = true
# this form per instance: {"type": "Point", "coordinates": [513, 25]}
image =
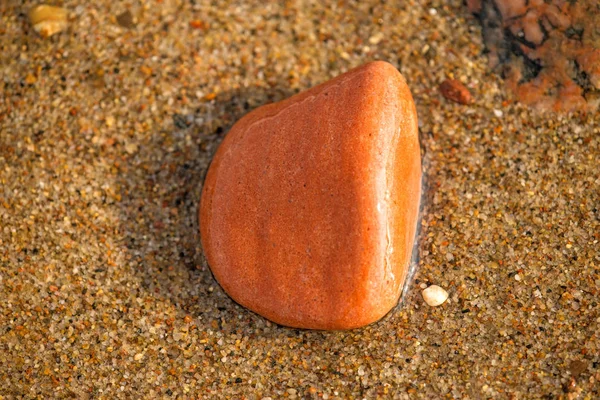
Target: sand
{"type": "Point", "coordinates": [106, 132]}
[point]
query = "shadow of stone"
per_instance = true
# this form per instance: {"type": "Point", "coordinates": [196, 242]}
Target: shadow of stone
{"type": "Point", "coordinates": [160, 186]}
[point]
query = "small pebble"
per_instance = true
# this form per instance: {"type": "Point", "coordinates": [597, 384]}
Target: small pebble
{"type": "Point", "coordinates": [48, 20]}
{"type": "Point", "coordinates": [131, 148]}
{"type": "Point", "coordinates": [126, 19]}
{"type": "Point", "coordinates": [455, 91]}
{"type": "Point", "coordinates": [577, 367]}
{"type": "Point", "coordinates": [375, 39]}
{"type": "Point", "coordinates": [434, 295]}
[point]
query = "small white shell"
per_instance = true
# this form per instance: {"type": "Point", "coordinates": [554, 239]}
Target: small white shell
{"type": "Point", "coordinates": [434, 295]}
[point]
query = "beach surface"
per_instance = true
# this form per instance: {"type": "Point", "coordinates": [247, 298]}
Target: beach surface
{"type": "Point", "coordinates": [106, 132]}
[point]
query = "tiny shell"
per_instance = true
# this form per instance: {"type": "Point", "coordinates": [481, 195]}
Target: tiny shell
{"type": "Point", "coordinates": [434, 295]}
{"type": "Point", "coordinates": [48, 20]}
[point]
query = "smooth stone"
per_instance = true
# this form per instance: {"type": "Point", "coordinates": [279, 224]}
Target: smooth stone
{"type": "Point", "coordinates": [309, 208]}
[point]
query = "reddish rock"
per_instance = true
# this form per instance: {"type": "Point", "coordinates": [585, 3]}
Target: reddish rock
{"type": "Point", "coordinates": [454, 90]}
{"type": "Point", "coordinates": [309, 208]}
{"type": "Point", "coordinates": [548, 50]}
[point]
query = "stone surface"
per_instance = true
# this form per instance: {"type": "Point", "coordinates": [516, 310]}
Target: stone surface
{"type": "Point", "coordinates": [309, 208]}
